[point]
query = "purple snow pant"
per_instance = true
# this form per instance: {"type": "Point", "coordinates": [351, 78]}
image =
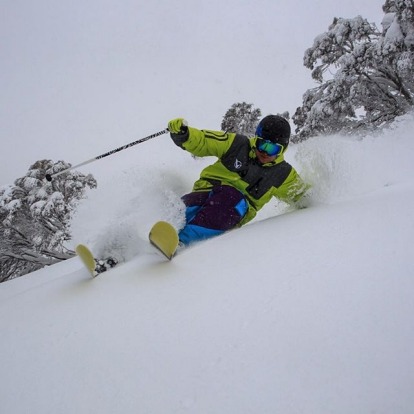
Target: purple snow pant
{"type": "Point", "coordinates": [211, 213]}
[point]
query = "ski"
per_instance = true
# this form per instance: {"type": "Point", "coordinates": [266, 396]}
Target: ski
{"type": "Point", "coordinates": [94, 266]}
{"type": "Point", "coordinates": [87, 258]}
{"type": "Point", "coordinates": [164, 237]}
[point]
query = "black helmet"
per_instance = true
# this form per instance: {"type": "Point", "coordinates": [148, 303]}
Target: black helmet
{"type": "Point", "coordinates": [274, 128]}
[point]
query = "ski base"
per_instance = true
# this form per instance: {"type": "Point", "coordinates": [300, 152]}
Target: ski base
{"type": "Point", "coordinates": [87, 258]}
{"type": "Point", "coordinates": [164, 237]}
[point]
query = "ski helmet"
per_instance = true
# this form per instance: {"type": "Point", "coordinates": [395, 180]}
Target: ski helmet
{"type": "Point", "coordinates": [274, 128]}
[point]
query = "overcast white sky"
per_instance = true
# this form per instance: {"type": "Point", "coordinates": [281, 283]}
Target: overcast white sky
{"type": "Point", "coordinates": [79, 78]}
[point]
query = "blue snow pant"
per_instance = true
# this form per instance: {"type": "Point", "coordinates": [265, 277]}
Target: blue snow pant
{"type": "Point", "coordinates": [211, 213]}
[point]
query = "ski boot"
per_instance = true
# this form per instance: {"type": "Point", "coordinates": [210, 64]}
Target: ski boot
{"type": "Point", "coordinates": [102, 265]}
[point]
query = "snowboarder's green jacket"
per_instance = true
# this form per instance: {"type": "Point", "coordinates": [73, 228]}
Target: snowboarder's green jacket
{"type": "Point", "coordinates": [238, 167]}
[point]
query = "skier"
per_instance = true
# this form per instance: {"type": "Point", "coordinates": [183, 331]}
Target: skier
{"type": "Point", "coordinates": [247, 174]}
{"type": "Point", "coordinates": [229, 193]}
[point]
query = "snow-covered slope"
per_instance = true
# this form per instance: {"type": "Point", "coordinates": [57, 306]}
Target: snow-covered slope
{"type": "Point", "coordinates": [307, 312]}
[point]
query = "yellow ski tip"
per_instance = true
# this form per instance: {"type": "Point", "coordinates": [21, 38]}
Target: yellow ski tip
{"type": "Point", "coordinates": [87, 258]}
{"type": "Point", "coordinates": [165, 238]}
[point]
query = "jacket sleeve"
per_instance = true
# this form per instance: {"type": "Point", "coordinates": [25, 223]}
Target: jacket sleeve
{"type": "Point", "coordinates": [203, 143]}
{"type": "Point", "coordinates": [293, 189]}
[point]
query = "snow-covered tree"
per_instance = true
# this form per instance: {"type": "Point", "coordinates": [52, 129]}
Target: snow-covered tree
{"type": "Point", "coordinates": [241, 118]}
{"type": "Point", "coordinates": [395, 48]}
{"type": "Point", "coordinates": [329, 107]}
{"type": "Point", "coordinates": [35, 216]}
{"type": "Point", "coordinates": [365, 76]}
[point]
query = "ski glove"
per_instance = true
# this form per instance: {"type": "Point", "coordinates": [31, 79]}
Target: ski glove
{"type": "Point", "coordinates": [178, 126]}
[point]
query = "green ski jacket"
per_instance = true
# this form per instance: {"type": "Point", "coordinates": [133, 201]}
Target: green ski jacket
{"type": "Point", "coordinates": [238, 167]}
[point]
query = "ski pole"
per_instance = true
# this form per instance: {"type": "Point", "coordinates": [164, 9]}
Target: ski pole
{"type": "Point", "coordinates": [164, 131]}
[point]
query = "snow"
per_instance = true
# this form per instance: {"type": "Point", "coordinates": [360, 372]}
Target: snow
{"type": "Point", "coordinates": [307, 311]}
{"type": "Point", "coordinates": [387, 21]}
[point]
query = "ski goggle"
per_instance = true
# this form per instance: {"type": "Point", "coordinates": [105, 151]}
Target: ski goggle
{"type": "Point", "coordinates": [268, 147]}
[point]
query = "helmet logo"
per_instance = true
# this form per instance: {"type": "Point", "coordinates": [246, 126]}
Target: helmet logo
{"type": "Point", "coordinates": [237, 164]}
